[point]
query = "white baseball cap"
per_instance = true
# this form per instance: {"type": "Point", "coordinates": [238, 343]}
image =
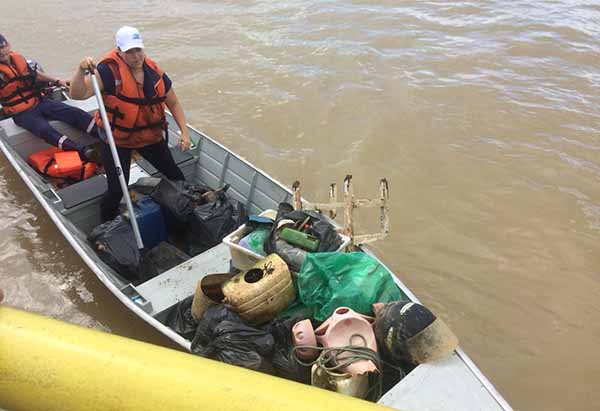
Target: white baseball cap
{"type": "Point", "coordinates": [128, 38]}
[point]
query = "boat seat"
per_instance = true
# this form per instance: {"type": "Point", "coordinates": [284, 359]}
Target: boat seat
{"type": "Point", "coordinates": [83, 191]}
{"type": "Point", "coordinates": [178, 155]}
{"type": "Point", "coordinates": [178, 283]}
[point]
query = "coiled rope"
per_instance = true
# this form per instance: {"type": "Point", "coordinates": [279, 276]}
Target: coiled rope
{"type": "Point", "coordinates": [336, 359]}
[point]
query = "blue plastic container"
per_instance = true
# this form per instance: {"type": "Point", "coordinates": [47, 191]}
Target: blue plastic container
{"type": "Point", "coordinates": [150, 221]}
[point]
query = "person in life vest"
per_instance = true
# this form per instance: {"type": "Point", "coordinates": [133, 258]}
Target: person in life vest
{"type": "Point", "coordinates": [21, 100]}
{"type": "Point", "coordinates": [135, 91]}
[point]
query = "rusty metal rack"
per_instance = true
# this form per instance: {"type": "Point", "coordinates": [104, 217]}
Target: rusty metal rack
{"type": "Point", "coordinates": [349, 204]}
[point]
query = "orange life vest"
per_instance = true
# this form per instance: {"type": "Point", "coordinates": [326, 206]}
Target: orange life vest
{"type": "Point", "coordinates": [123, 108]}
{"type": "Point", "coordinates": [17, 87]}
{"type": "Point", "coordinates": [55, 162]}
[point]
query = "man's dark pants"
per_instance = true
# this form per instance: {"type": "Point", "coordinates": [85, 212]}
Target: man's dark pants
{"type": "Point", "coordinates": [37, 119]}
{"type": "Point", "coordinates": [157, 154]}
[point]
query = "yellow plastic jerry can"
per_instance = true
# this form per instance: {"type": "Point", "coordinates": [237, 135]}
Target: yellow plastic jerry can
{"type": "Point", "coordinates": [260, 293]}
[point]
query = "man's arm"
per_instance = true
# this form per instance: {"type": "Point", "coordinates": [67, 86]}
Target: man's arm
{"type": "Point", "coordinates": [176, 109]}
{"type": "Point", "coordinates": [40, 76]}
{"type": "Point", "coordinates": [81, 84]}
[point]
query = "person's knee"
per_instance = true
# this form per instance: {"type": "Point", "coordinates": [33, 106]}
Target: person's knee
{"type": "Point", "coordinates": [17, 120]}
{"type": "Point", "coordinates": [21, 120]}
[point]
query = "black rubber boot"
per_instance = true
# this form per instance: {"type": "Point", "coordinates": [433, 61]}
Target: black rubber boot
{"type": "Point", "coordinates": [91, 153]}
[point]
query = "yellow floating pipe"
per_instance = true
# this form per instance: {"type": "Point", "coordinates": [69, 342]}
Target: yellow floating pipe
{"type": "Point", "coordinates": [49, 365]}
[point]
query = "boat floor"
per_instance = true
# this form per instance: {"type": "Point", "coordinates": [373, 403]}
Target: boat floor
{"type": "Point", "coordinates": [178, 283]}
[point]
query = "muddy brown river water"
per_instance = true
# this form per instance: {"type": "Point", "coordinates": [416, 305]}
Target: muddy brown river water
{"type": "Point", "coordinates": [484, 117]}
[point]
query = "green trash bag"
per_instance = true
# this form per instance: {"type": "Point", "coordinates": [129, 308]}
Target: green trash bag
{"type": "Point", "coordinates": [327, 281]}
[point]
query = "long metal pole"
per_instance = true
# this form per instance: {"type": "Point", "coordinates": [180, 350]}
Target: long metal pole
{"type": "Point", "coordinates": [115, 156]}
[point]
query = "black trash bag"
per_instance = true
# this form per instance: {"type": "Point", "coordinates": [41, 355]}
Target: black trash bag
{"type": "Point", "coordinates": [161, 258]}
{"type": "Point", "coordinates": [239, 216]}
{"type": "Point", "coordinates": [178, 200]}
{"type": "Point", "coordinates": [213, 316]}
{"type": "Point", "coordinates": [283, 360]}
{"type": "Point", "coordinates": [115, 244]}
{"type": "Point", "coordinates": [231, 340]}
{"type": "Point", "coordinates": [240, 357]}
{"type": "Point", "coordinates": [392, 374]}
{"type": "Point", "coordinates": [180, 319]}
{"type": "Point", "coordinates": [329, 240]}
{"type": "Point", "coordinates": [211, 222]}
{"type": "Point", "coordinates": [145, 185]}
{"type": "Point", "coordinates": [283, 209]}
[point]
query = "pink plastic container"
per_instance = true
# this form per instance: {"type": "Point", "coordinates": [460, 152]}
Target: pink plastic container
{"type": "Point", "coordinates": [304, 334]}
{"type": "Point", "coordinates": [348, 328]}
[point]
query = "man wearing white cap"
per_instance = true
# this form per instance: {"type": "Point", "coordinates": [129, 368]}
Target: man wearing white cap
{"type": "Point", "coordinates": [135, 91]}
